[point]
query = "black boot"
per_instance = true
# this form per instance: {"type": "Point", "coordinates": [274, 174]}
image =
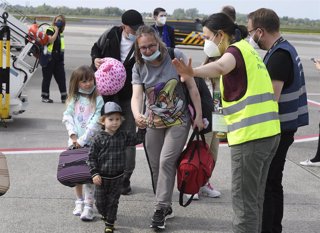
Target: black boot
{"type": "Point", "coordinates": [317, 156]}
{"type": "Point", "coordinates": [126, 188]}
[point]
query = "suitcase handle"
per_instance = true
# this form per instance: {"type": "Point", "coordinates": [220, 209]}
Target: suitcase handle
{"type": "Point", "coordinates": [74, 163]}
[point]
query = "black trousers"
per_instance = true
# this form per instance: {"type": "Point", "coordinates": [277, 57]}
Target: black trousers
{"type": "Point", "coordinates": [107, 197]}
{"type": "Point", "coordinates": [273, 198]}
{"type": "Point", "coordinates": [316, 158]}
{"type": "Point", "coordinates": [54, 68]}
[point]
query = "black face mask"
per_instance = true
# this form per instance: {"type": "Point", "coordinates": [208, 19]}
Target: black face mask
{"type": "Point", "coordinates": [59, 24]}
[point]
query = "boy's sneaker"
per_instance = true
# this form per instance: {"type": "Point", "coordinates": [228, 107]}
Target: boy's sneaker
{"type": "Point", "coordinates": [109, 229]}
{"type": "Point", "coordinates": [47, 100]}
{"type": "Point", "coordinates": [209, 191]}
{"type": "Point", "coordinates": [168, 213]}
{"type": "Point", "coordinates": [78, 208]}
{"type": "Point", "coordinates": [87, 214]}
{"type": "Point", "coordinates": [158, 219]}
{"type": "Point", "coordinates": [126, 190]}
{"type": "Point", "coordinates": [195, 196]}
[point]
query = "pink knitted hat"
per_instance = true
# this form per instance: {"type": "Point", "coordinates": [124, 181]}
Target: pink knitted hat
{"type": "Point", "coordinates": [110, 77]}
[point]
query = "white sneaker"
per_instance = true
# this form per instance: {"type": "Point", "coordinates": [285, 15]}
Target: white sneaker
{"type": "Point", "coordinates": [78, 208]}
{"type": "Point", "coordinates": [87, 214]}
{"type": "Point", "coordinates": [309, 163]}
{"type": "Point", "coordinates": [209, 191]}
{"type": "Point", "coordinates": [195, 197]}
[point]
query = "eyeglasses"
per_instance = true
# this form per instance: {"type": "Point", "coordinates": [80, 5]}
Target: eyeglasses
{"type": "Point", "coordinates": [144, 49]}
{"type": "Point", "coordinates": [249, 31]}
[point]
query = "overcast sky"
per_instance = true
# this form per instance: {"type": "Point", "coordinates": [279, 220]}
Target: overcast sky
{"type": "Point", "coordinates": [292, 8]}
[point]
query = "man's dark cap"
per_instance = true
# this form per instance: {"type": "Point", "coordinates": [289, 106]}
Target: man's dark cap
{"type": "Point", "coordinates": [133, 19]}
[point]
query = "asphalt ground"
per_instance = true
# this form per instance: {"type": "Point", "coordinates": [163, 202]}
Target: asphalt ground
{"type": "Point", "coordinates": [36, 202]}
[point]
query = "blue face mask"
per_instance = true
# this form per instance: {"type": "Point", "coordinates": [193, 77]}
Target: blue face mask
{"type": "Point", "coordinates": [152, 57]}
{"type": "Point", "coordinates": [132, 37]}
{"type": "Point", "coordinates": [59, 24]}
{"type": "Point", "coordinates": [87, 92]}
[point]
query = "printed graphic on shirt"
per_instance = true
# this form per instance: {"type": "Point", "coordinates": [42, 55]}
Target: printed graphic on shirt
{"type": "Point", "coordinates": [83, 112]}
{"type": "Point", "coordinates": [165, 106]}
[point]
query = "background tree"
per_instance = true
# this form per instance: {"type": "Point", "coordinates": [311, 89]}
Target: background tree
{"type": "Point", "coordinates": [286, 23]}
{"type": "Point", "coordinates": [192, 13]}
{"type": "Point", "coordinates": [179, 14]}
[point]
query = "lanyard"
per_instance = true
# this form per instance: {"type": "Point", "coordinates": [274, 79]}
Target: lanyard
{"type": "Point", "coordinates": [278, 41]}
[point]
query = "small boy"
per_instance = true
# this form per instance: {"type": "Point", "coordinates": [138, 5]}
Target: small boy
{"type": "Point", "coordinates": [107, 161]}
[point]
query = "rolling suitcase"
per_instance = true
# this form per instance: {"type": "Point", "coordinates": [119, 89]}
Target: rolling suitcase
{"type": "Point", "coordinates": [73, 168]}
{"type": "Point", "coordinates": [4, 175]}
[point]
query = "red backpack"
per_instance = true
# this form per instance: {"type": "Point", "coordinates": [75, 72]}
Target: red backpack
{"type": "Point", "coordinates": [195, 167]}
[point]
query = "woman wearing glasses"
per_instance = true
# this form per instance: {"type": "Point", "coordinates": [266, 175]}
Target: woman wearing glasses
{"type": "Point", "coordinates": [166, 116]}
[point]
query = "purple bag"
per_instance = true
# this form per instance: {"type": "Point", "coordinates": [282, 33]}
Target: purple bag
{"type": "Point", "coordinates": [73, 168]}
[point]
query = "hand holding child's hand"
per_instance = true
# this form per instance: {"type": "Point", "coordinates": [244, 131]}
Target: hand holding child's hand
{"type": "Point", "coordinates": [97, 180]}
{"type": "Point", "coordinates": [141, 121]}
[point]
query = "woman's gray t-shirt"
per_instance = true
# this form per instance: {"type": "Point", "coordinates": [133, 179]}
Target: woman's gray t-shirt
{"type": "Point", "coordinates": [166, 103]}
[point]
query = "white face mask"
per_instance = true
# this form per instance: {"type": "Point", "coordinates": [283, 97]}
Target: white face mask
{"type": "Point", "coordinates": [162, 20]}
{"type": "Point", "coordinates": [87, 92]}
{"type": "Point", "coordinates": [254, 44]}
{"type": "Point", "coordinates": [211, 49]}
{"type": "Point", "coordinates": [152, 57]}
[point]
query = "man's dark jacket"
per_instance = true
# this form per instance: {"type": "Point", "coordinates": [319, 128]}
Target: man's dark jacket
{"type": "Point", "coordinates": [108, 45]}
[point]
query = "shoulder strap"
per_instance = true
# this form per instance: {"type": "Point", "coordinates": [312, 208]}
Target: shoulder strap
{"type": "Point", "coordinates": [129, 55]}
{"type": "Point", "coordinates": [171, 52]}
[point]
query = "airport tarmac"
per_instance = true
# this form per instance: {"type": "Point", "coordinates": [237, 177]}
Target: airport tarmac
{"type": "Point", "coordinates": [37, 203]}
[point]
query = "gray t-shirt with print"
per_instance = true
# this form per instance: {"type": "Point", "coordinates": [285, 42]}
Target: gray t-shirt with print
{"type": "Point", "coordinates": [166, 103]}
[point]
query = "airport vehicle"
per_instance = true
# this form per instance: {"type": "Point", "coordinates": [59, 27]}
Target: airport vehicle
{"type": "Point", "coordinates": [187, 32]}
{"type": "Point", "coordinates": [16, 66]}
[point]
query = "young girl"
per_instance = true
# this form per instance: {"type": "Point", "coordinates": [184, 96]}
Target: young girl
{"type": "Point", "coordinates": [83, 111]}
{"type": "Point", "coordinates": [107, 160]}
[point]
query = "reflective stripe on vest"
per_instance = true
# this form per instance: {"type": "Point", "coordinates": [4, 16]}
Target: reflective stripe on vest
{"type": "Point", "coordinates": [255, 115]}
{"type": "Point", "coordinates": [293, 105]}
{"type": "Point", "coordinates": [62, 45]}
{"type": "Point", "coordinates": [250, 100]}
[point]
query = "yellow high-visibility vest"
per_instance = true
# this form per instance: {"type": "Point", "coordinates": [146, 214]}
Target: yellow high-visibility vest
{"type": "Point", "coordinates": [255, 115]}
{"type": "Point", "coordinates": [50, 46]}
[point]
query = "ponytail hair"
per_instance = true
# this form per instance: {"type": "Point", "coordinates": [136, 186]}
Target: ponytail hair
{"type": "Point", "coordinates": [221, 21]}
{"type": "Point", "coordinates": [241, 32]}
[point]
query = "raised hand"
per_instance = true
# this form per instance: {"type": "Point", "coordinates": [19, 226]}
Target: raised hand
{"type": "Point", "coordinates": [184, 70]}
